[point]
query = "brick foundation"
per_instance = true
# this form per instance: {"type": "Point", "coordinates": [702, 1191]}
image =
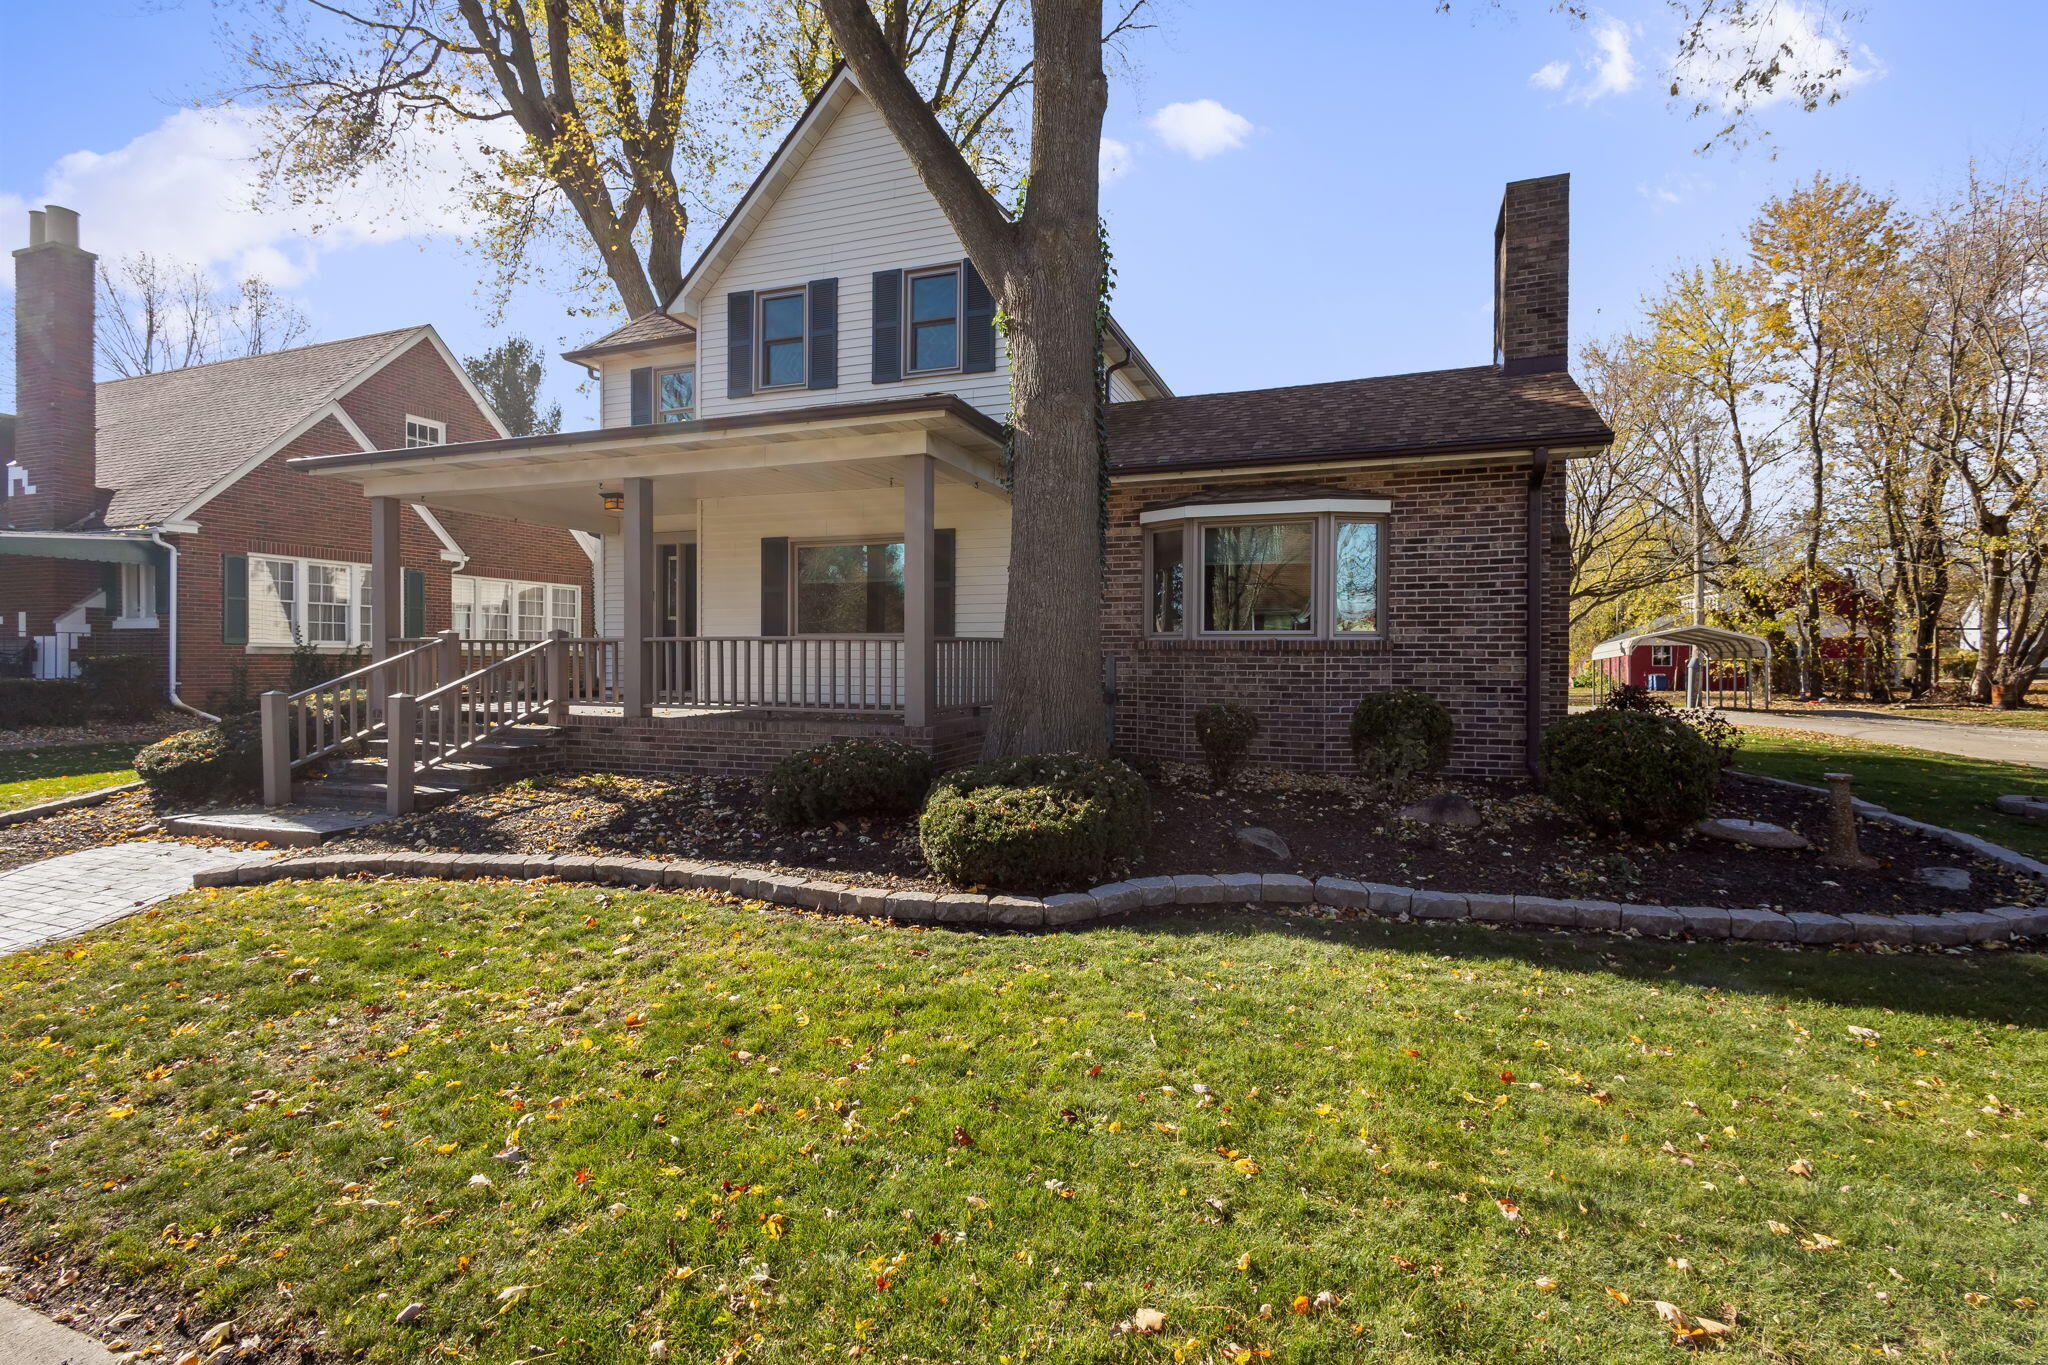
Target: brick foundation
{"type": "Point", "coordinates": [744, 743]}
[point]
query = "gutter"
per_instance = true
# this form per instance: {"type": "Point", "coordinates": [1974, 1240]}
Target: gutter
{"type": "Point", "coordinates": [171, 632]}
{"type": "Point", "coordinates": [1532, 638]}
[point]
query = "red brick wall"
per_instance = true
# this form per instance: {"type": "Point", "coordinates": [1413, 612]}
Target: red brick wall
{"type": "Point", "coordinates": [1453, 602]}
{"type": "Point", "coordinates": [743, 744]}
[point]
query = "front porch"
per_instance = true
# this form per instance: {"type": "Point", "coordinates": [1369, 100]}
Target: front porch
{"type": "Point", "coordinates": [765, 584]}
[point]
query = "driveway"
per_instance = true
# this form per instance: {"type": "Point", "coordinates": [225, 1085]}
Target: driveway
{"type": "Point", "coordinates": [2000, 744]}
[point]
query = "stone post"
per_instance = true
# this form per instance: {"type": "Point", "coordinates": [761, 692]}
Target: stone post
{"type": "Point", "coordinates": [1842, 850]}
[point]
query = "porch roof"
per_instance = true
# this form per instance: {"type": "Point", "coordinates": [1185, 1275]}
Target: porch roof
{"type": "Point", "coordinates": [557, 479]}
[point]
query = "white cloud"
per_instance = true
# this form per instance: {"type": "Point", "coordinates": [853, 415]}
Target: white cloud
{"type": "Point", "coordinates": [1613, 63]}
{"type": "Point", "coordinates": [187, 190]}
{"type": "Point", "coordinates": [1551, 75]}
{"type": "Point", "coordinates": [1805, 43]}
{"type": "Point", "coordinates": [1112, 161]}
{"type": "Point", "coordinates": [1201, 128]}
{"type": "Point", "coordinates": [1675, 188]}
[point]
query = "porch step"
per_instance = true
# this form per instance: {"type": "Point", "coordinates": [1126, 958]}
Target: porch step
{"type": "Point", "coordinates": [467, 777]}
{"type": "Point", "coordinates": [280, 826]}
{"type": "Point", "coordinates": [345, 794]}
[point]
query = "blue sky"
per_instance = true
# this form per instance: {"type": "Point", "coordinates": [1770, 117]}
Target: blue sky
{"type": "Point", "coordinates": [1306, 191]}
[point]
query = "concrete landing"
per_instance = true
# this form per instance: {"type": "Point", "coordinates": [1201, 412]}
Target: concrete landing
{"type": "Point", "coordinates": [279, 826]}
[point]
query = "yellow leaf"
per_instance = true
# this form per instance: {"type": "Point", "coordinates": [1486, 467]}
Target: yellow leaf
{"type": "Point", "coordinates": [1617, 1296]}
{"type": "Point", "coordinates": [1545, 1284]}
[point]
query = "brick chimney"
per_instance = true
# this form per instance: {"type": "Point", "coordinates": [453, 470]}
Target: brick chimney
{"type": "Point", "coordinates": [1532, 276]}
{"type": "Point", "coordinates": [52, 484]}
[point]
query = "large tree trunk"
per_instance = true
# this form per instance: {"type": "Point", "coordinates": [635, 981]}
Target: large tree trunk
{"type": "Point", "coordinates": [1991, 608]}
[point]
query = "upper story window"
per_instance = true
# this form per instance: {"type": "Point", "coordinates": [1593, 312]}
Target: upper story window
{"type": "Point", "coordinates": [933, 342]}
{"type": "Point", "coordinates": [782, 339]}
{"type": "Point", "coordinates": [675, 394]}
{"type": "Point", "coordinates": [421, 431]}
{"type": "Point", "coordinates": [1308, 569]}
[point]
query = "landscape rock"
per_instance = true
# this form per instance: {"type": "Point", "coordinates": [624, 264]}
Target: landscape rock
{"type": "Point", "coordinates": [2024, 806]}
{"type": "Point", "coordinates": [1944, 878]}
{"type": "Point", "coordinates": [1259, 839]}
{"type": "Point", "coordinates": [1446, 809]}
{"type": "Point", "coordinates": [1754, 833]}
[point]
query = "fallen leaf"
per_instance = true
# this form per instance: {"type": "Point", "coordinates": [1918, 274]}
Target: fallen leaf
{"type": "Point", "coordinates": [1147, 1321]}
{"type": "Point", "coordinates": [1510, 1210]}
{"type": "Point", "coordinates": [1801, 1168]}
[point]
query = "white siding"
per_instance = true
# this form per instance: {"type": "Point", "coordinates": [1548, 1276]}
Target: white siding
{"type": "Point", "coordinates": [611, 595]}
{"type": "Point", "coordinates": [729, 548]}
{"type": "Point", "coordinates": [855, 206]}
{"type": "Point", "coordinates": [616, 394]}
{"type": "Point", "coordinates": [1121, 390]}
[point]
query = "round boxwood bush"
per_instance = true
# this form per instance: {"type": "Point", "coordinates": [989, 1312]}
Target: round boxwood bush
{"type": "Point", "coordinates": [1399, 735]}
{"type": "Point", "coordinates": [212, 763]}
{"type": "Point", "coordinates": [1035, 823]}
{"type": "Point", "coordinates": [1225, 731]}
{"type": "Point", "coordinates": [1636, 771]}
{"type": "Point", "coordinates": [849, 777]}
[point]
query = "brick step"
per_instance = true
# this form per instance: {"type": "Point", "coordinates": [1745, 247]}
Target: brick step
{"type": "Point", "coordinates": [357, 795]}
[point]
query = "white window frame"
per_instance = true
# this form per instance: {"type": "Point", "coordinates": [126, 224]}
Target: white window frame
{"type": "Point", "coordinates": [425, 425]}
{"type": "Point", "coordinates": [802, 295]}
{"type": "Point", "coordinates": [136, 588]}
{"type": "Point", "coordinates": [557, 613]}
{"type": "Point", "coordinates": [684, 414]}
{"type": "Point", "coordinates": [1324, 517]}
{"type": "Point", "coordinates": [1669, 659]}
{"type": "Point", "coordinates": [358, 631]}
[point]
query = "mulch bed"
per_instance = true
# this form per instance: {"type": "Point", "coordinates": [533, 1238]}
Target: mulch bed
{"type": "Point", "coordinates": [1333, 829]}
{"type": "Point", "coordinates": [136, 732]}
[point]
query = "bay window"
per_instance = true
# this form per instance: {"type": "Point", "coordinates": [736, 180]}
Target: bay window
{"type": "Point", "coordinates": [1301, 568]}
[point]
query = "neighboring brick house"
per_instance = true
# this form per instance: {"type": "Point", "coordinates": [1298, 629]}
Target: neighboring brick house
{"type": "Point", "coordinates": [799, 479]}
{"type": "Point", "coordinates": [160, 515]}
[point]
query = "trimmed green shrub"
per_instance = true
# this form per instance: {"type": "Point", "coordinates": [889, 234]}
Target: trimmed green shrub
{"type": "Point", "coordinates": [212, 763]}
{"type": "Point", "coordinates": [1225, 731]}
{"type": "Point", "coordinates": [122, 686]}
{"type": "Point", "coordinates": [1035, 823]}
{"type": "Point", "coordinates": [1646, 774]}
{"type": "Point", "coordinates": [42, 701]}
{"type": "Point", "coordinates": [1399, 735]}
{"type": "Point", "coordinates": [849, 777]}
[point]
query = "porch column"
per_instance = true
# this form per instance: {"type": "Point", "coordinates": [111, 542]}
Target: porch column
{"type": "Point", "coordinates": [920, 593]}
{"type": "Point", "coordinates": [635, 683]}
{"type": "Point", "coordinates": [387, 594]}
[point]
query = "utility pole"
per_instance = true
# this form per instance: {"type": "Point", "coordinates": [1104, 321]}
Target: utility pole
{"type": "Point", "coordinates": [1696, 660]}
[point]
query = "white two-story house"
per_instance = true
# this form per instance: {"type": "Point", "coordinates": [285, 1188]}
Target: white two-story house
{"type": "Point", "coordinates": [799, 486]}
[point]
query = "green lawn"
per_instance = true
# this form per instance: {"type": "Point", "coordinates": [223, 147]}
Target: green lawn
{"type": "Point", "coordinates": [764, 1137]}
{"type": "Point", "coordinates": [1939, 788]}
{"type": "Point", "coordinates": [29, 777]}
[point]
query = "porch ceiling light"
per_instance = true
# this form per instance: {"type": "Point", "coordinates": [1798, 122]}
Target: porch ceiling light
{"type": "Point", "coordinates": [613, 502]}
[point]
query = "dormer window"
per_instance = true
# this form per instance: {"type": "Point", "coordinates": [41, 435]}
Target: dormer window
{"type": "Point", "coordinates": [782, 339]}
{"type": "Point", "coordinates": [675, 393]}
{"type": "Point", "coordinates": [934, 309]}
{"type": "Point", "coordinates": [420, 431]}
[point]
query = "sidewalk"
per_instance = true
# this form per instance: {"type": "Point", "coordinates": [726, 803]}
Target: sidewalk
{"type": "Point", "coordinates": [29, 1338]}
{"type": "Point", "coordinates": [1997, 744]}
{"type": "Point", "coordinates": [69, 894]}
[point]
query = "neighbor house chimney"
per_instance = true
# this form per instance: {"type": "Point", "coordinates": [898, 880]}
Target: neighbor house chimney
{"type": "Point", "coordinates": [1531, 276]}
{"type": "Point", "coordinates": [51, 483]}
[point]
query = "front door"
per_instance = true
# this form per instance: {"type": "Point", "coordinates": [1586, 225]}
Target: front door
{"type": "Point", "coordinates": [677, 575]}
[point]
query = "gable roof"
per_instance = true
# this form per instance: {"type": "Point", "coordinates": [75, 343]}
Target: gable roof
{"type": "Point", "coordinates": [1437, 411]}
{"type": "Point", "coordinates": [654, 328]}
{"type": "Point", "coordinates": [169, 440]}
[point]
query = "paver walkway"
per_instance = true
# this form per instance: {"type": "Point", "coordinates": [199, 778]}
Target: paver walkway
{"type": "Point", "coordinates": [68, 895]}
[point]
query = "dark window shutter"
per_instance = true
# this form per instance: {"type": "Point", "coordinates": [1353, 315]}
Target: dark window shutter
{"type": "Point", "coordinates": [775, 585]}
{"type": "Point", "coordinates": [412, 622]}
{"type": "Point", "coordinates": [163, 587]}
{"type": "Point", "coordinates": [739, 343]}
{"type": "Point", "coordinates": [640, 384]}
{"type": "Point", "coordinates": [824, 311]}
{"type": "Point", "coordinates": [977, 322]}
{"type": "Point", "coordinates": [110, 587]}
{"type": "Point", "coordinates": [888, 322]}
{"type": "Point", "coordinates": [944, 622]}
{"type": "Point", "coordinates": [234, 599]}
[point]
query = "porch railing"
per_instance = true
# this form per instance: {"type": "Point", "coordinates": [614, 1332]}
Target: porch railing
{"type": "Point", "coordinates": [862, 673]}
{"type": "Point", "coordinates": [335, 716]}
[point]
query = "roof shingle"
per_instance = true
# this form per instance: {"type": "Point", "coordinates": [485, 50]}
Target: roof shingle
{"type": "Point", "coordinates": [165, 439]}
{"type": "Point", "coordinates": [649, 329]}
{"type": "Point", "coordinates": [1439, 410]}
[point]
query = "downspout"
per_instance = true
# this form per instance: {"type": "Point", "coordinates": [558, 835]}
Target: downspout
{"type": "Point", "coordinates": [171, 631]}
{"type": "Point", "coordinates": [1532, 639]}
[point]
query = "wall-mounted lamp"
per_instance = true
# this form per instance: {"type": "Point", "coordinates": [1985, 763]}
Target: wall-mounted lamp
{"type": "Point", "coordinates": [613, 502]}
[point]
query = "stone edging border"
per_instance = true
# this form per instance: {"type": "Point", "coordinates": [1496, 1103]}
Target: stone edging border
{"type": "Point", "coordinates": [1954, 838]}
{"type": "Point", "coordinates": [1142, 893]}
{"type": "Point", "coordinates": [76, 801]}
